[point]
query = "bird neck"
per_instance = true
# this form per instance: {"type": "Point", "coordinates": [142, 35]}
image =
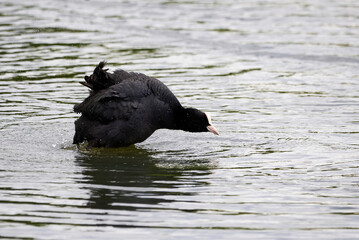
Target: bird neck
{"type": "Point", "coordinates": [182, 119]}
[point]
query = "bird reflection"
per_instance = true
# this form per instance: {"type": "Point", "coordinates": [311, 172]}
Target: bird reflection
{"type": "Point", "coordinates": [133, 178]}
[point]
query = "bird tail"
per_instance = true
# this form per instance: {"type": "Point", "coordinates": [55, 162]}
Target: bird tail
{"type": "Point", "coordinates": [99, 79]}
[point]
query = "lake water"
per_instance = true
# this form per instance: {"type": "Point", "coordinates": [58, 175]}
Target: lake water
{"type": "Point", "coordinates": [280, 78]}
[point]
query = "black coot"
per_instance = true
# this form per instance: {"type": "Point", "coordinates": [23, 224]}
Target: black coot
{"type": "Point", "coordinates": [124, 108]}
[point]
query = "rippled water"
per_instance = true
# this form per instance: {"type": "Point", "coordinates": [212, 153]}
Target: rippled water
{"type": "Point", "coordinates": [280, 78]}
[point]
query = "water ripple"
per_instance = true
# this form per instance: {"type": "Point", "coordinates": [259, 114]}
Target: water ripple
{"type": "Point", "coordinates": [280, 79]}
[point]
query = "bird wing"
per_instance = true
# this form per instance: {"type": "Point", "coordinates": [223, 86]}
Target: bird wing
{"type": "Point", "coordinates": [119, 101]}
{"type": "Point", "coordinates": [101, 79]}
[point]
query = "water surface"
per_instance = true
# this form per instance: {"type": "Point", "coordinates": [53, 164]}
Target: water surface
{"type": "Point", "coordinates": [280, 79]}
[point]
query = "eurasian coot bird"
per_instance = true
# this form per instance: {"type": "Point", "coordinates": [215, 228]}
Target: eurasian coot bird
{"type": "Point", "coordinates": [124, 108]}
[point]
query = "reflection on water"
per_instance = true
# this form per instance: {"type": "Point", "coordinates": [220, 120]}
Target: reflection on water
{"type": "Point", "coordinates": [280, 78]}
{"type": "Point", "coordinates": [131, 179]}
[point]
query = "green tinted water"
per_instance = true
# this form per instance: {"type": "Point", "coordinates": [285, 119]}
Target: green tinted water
{"type": "Point", "coordinates": [280, 79]}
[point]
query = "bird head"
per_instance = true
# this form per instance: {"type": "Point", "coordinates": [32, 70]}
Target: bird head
{"type": "Point", "coordinates": [194, 120]}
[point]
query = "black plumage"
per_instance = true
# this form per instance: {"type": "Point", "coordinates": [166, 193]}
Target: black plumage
{"type": "Point", "coordinates": [124, 108]}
